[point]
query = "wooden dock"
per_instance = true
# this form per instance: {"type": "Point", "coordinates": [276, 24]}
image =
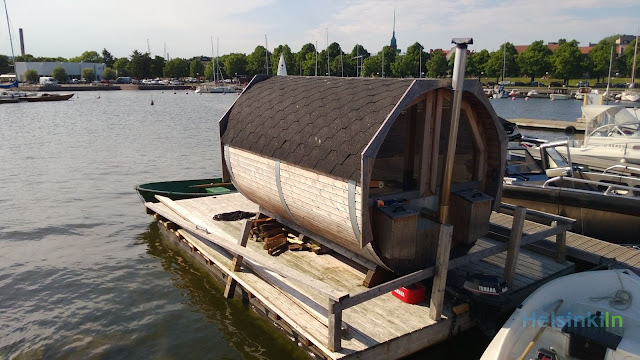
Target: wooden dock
{"type": "Point", "coordinates": [320, 300]}
{"type": "Point", "coordinates": [584, 248]}
{"type": "Point", "coordinates": [566, 126]}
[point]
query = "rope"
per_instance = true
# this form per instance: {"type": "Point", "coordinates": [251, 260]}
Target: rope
{"type": "Point", "coordinates": [619, 300]}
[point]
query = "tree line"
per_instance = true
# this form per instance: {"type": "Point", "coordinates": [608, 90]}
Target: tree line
{"type": "Point", "coordinates": [566, 62]}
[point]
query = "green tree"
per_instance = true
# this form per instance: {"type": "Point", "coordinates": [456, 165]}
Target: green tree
{"type": "Point", "coordinates": [235, 63]}
{"type": "Point", "coordinates": [567, 61]}
{"type": "Point", "coordinates": [109, 74]}
{"type": "Point", "coordinates": [503, 61]}
{"type": "Point", "coordinates": [599, 56]}
{"type": "Point", "coordinates": [289, 59]}
{"type": "Point", "coordinates": [88, 74]}
{"type": "Point", "coordinates": [60, 74]}
{"type": "Point", "coordinates": [5, 66]}
{"type": "Point", "coordinates": [437, 64]}
{"type": "Point", "coordinates": [256, 61]}
{"type": "Point", "coordinates": [196, 69]}
{"type": "Point", "coordinates": [176, 68]}
{"type": "Point", "coordinates": [121, 66]}
{"type": "Point", "coordinates": [31, 76]}
{"type": "Point", "coordinates": [140, 65]}
{"type": "Point", "coordinates": [341, 66]}
{"type": "Point", "coordinates": [88, 56]}
{"type": "Point", "coordinates": [535, 60]}
{"type": "Point", "coordinates": [372, 66]}
{"type": "Point", "coordinates": [309, 64]}
{"type": "Point", "coordinates": [107, 58]}
{"type": "Point", "coordinates": [301, 64]}
{"type": "Point", "coordinates": [476, 63]}
{"type": "Point", "coordinates": [626, 61]}
{"type": "Point", "coordinates": [157, 66]}
{"type": "Point", "coordinates": [408, 65]}
{"type": "Point", "coordinates": [358, 54]}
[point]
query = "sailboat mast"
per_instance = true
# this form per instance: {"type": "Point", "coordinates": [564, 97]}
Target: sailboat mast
{"type": "Point", "coordinates": [328, 61]}
{"type": "Point", "coordinates": [217, 57]}
{"type": "Point", "coordinates": [213, 62]}
{"type": "Point", "coordinates": [266, 53]}
{"type": "Point", "coordinates": [13, 56]}
{"type": "Point", "coordinates": [606, 93]}
{"type": "Point", "coordinates": [504, 60]}
{"type": "Point", "coordinates": [633, 66]}
{"type": "Point", "coordinates": [316, 57]}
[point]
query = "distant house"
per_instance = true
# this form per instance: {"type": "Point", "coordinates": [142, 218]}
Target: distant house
{"type": "Point", "coordinates": [73, 69]}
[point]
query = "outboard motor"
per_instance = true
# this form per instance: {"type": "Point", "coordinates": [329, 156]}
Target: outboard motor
{"type": "Point", "coordinates": [488, 295]}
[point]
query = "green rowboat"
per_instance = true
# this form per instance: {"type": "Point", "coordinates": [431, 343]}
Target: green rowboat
{"type": "Point", "coordinates": [183, 189]}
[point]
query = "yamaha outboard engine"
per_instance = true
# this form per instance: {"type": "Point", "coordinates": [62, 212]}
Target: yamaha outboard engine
{"type": "Point", "coordinates": [488, 297]}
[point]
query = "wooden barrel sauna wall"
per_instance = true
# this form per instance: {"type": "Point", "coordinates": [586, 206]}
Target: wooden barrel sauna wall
{"type": "Point", "coordinates": [315, 151]}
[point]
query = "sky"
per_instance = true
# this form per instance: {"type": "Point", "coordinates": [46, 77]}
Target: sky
{"type": "Point", "coordinates": [189, 28]}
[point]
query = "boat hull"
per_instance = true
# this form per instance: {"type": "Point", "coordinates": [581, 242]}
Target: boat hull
{"type": "Point", "coordinates": [182, 189]}
{"type": "Point", "coordinates": [610, 218]}
{"type": "Point", "coordinates": [47, 97]}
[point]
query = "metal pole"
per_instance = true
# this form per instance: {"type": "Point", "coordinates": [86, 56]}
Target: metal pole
{"type": "Point", "coordinates": [458, 84]}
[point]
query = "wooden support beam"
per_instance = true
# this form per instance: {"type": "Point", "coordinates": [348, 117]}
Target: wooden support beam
{"type": "Point", "coordinates": [561, 245]}
{"type": "Point", "coordinates": [514, 244]}
{"type": "Point", "coordinates": [236, 265]}
{"type": "Point", "coordinates": [441, 268]}
{"type": "Point", "coordinates": [335, 324]}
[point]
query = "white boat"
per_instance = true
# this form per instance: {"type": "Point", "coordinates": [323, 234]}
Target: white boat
{"type": "Point", "coordinates": [579, 95]}
{"type": "Point", "coordinates": [218, 86]}
{"type": "Point", "coordinates": [630, 95]}
{"type": "Point", "coordinates": [589, 315]}
{"type": "Point", "coordinates": [612, 132]}
{"type": "Point", "coordinates": [533, 93]}
{"type": "Point", "coordinates": [560, 94]}
{"type": "Point", "coordinates": [515, 93]}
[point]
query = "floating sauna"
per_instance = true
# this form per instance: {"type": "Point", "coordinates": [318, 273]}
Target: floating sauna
{"type": "Point", "coordinates": [357, 163]}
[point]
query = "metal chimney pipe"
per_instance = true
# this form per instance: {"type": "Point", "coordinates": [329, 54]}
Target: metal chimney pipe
{"type": "Point", "coordinates": [457, 84]}
{"type": "Point", "coordinates": [21, 41]}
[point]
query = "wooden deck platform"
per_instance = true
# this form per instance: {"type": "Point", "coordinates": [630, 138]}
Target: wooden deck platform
{"type": "Point", "coordinates": [295, 288]}
{"type": "Point", "coordinates": [594, 251]}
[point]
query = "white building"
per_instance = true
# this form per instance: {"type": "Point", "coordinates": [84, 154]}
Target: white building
{"type": "Point", "coordinates": [73, 69]}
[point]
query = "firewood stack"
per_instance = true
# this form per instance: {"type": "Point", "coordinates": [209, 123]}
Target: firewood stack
{"type": "Point", "coordinates": [277, 238]}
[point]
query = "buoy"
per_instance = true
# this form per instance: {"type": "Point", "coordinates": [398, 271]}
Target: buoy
{"type": "Point", "coordinates": [174, 93]}
{"type": "Point", "coordinates": [526, 99]}
{"type": "Point", "coordinates": [552, 99]}
{"type": "Point", "coordinates": [151, 102]}
{"type": "Point", "coordinates": [513, 98]}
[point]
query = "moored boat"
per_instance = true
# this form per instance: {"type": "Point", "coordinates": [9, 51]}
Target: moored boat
{"type": "Point", "coordinates": [183, 189]}
{"type": "Point", "coordinates": [589, 315]}
{"type": "Point", "coordinates": [605, 205]}
{"type": "Point", "coordinates": [46, 97]}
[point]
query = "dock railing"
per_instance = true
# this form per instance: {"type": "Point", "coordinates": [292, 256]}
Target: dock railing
{"type": "Point", "coordinates": [339, 301]}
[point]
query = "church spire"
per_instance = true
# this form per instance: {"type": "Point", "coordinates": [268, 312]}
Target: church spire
{"type": "Point", "coordinates": [393, 44]}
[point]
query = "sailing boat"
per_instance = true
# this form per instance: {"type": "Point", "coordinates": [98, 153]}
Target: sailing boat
{"type": "Point", "coordinates": [282, 66]}
{"type": "Point", "coordinates": [218, 86]}
{"type": "Point", "coordinates": [631, 94]}
{"type": "Point", "coordinates": [501, 93]}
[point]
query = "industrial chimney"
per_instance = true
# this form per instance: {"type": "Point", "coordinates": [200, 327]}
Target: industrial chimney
{"type": "Point", "coordinates": [21, 41]}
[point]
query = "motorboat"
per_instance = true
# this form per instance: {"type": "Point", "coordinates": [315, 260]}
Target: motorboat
{"type": "Point", "coordinates": [515, 93]}
{"type": "Point", "coordinates": [588, 315]}
{"type": "Point", "coordinates": [630, 95]}
{"type": "Point", "coordinates": [215, 88]}
{"type": "Point", "coordinates": [579, 95]}
{"type": "Point", "coordinates": [606, 205]}
{"type": "Point", "coordinates": [612, 132]}
{"type": "Point", "coordinates": [560, 94]}
{"type": "Point", "coordinates": [46, 97]}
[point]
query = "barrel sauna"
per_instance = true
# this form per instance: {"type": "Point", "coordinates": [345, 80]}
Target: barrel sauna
{"type": "Point", "coordinates": [358, 162]}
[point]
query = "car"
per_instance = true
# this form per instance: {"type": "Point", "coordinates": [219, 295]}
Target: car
{"type": "Point", "coordinates": [583, 83]}
{"type": "Point", "coordinates": [555, 84]}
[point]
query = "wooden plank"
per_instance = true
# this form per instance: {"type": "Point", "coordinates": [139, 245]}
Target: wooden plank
{"type": "Point", "coordinates": [436, 140]}
{"type": "Point", "coordinates": [427, 140]}
{"type": "Point", "coordinates": [236, 264]}
{"type": "Point", "coordinates": [561, 244]}
{"type": "Point", "coordinates": [440, 276]}
{"type": "Point", "coordinates": [189, 222]}
{"type": "Point", "coordinates": [514, 244]}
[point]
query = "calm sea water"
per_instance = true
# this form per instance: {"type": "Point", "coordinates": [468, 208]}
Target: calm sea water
{"type": "Point", "coordinates": [84, 272]}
